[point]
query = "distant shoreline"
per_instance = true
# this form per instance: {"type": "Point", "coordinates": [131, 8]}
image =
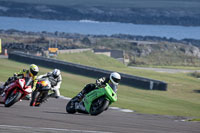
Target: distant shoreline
{"type": "Point", "coordinates": [89, 27]}
{"type": "Point", "coordinates": [153, 16]}
{"type": "Point", "coordinates": [194, 42]}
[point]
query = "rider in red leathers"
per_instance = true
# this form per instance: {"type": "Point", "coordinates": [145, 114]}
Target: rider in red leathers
{"type": "Point", "coordinates": [29, 75]}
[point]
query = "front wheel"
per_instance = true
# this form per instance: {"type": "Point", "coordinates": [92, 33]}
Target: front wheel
{"type": "Point", "coordinates": [12, 98]}
{"type": "Point", "coordinates": [70, 107]}
{"type": "Point", "coordinates": [98, 106]}
{"type": "Point", "coordinates": [34, 98]}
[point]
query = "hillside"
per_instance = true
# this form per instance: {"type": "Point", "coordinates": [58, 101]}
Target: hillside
{"type": "Point", "coordinates": [140, 50]}
{"type": "Point", "coordinates": [154, 52]}
{"type": "Point", "coordinates": [162, 12]}
{"type": "Point", "coordinates": [90, 59]}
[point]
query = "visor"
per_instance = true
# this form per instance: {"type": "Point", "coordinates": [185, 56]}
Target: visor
{"type": "Point", "coordinates": [116, 80]}
{"type": "Point", "coordinates": [34, 72]}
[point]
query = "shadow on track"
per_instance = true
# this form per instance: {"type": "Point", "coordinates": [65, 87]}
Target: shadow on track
{"type": "Point", "coordinates": [51, 112]}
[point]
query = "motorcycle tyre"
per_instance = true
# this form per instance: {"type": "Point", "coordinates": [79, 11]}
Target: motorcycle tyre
{"type": "Point", "coordinates": [16, 98]}
{"type": "Point", "coordinates": [101, 109]}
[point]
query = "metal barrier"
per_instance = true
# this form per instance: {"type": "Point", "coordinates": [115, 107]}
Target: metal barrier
{"type": "Point", "coordinates": [130, 80]}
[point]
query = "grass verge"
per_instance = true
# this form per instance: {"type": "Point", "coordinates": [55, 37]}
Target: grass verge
{"type": "Point", "coordinates": [197, 120]}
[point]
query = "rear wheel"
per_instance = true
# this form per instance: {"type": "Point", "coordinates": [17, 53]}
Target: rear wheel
{"type": "Point", "coordinates": [12, 98]}
{"type": "Point", "coordinates": [99, 105]}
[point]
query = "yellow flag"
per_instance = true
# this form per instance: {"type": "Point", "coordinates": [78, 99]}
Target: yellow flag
{"type": "Point", "coordinates": [0, 45]}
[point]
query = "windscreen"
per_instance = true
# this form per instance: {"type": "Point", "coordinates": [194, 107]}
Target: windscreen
{"type": "Point", "coordinates": [114, 87]}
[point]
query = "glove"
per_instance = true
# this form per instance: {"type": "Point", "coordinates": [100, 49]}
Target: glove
{"type": "Point", "coordinates": [97, 84]}
{"type": "Point", "coordinates": [100, 81]}
{"type": "Point", "coordinates": [15, 75]}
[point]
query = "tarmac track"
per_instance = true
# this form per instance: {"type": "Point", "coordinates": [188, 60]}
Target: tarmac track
{"type": "Point", "coordinates": [51, 117]}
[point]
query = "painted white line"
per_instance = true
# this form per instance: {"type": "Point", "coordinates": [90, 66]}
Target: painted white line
{"type": "Point", "coordinates": [122, 110]}
{"type": "Point", "coordinates": [66, 98]}
{"type": "Point", "coordinates": [114, 108]}
{"type": "Point", "coordinates": [126, 110]}
{"type": "Point", "coordinates": [52, 129]}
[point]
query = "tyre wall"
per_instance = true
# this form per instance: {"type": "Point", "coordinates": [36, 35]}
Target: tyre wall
{"type": "Point", "coordinates": [130, 80]}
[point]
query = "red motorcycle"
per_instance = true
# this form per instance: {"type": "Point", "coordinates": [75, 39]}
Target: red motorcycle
{"type": "Point", "coordinates": [16, 90]}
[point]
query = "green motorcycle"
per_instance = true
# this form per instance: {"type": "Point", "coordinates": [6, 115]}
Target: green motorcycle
{"type": "Point", "coordinates": [95, 102]}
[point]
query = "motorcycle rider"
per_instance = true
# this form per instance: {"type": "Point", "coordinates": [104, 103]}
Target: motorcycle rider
{"type": "Point", "coordinates": [113, 80]}
{"type": "Point", "coordinates": [29, 75]}
{"type": "Point", "coordinates": [55, 79]}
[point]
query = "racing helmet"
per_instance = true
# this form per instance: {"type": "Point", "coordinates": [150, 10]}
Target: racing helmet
{"type": "Point", "coordinates": [115, 78]}
{"type": "Point", "coordinates": [34, 69]}
{"type": "Point", "coordinates": [56, 73]}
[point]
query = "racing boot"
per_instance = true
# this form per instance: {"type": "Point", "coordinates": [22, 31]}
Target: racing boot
{"type": "Point", "coordinates": [86, 89]}
{"type": "Point", "coordinates": [3, 87]}
{"type": "Point", "coordinates": [1, 90]}
{"type": "Point", "coordinates": [37, 104]}
{"type": "Point", "coordinates": [53, 95]}
{"type": "Point", "coordinates": [79, 97]}
{"type": "Point", "coordinates": [3, 94]}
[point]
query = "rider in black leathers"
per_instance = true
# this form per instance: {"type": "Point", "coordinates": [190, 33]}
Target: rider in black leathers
{"type": "Point", "coordinates": [114, 79]}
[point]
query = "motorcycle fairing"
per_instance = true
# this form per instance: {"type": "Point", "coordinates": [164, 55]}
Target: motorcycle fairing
{"type": "Point", "coordinates": [18, 84]}
{"type": "Point", "coordinates": [90, 97]}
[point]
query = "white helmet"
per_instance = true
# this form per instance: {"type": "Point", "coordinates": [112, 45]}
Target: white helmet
{"type": "Point", "coordinates": [115, 78]}
{"type": "Point", "coordinates": [56, 73]}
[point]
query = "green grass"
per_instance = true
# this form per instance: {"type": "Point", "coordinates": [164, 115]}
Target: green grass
{"type": "Point", "coordinates": [91, 59]}
{"type": "Point", "coordinates": [119, 3]}
{"type": "Point", "coordinates": [166, 58]}
{"type": "Point", "coordinates": [195, 120]}
{"type": "Point", "coordinates": [179, 100]}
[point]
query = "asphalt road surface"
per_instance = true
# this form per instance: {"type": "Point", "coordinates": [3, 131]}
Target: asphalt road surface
{"type": "Point", "coordinates": [51, 117]}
